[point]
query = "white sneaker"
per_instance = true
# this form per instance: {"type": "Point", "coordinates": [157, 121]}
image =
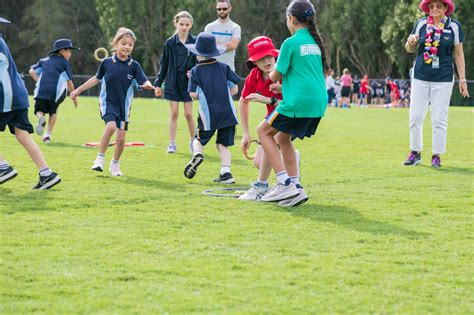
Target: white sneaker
{"type": "Point", "coordinates": [40, 125]}
{"type": "Point", "coordinates": [281, 192]}
{"type": "Point", "coordinates": [98, 165]}
{"type": "Point", "coordinates": [255, 192]}
{"type": "Point", "coordinates": [301, 198]}
{"type": "Point", "coordinates": [171, 148]}
{"type": "Point", "coordinates": [114, 169]}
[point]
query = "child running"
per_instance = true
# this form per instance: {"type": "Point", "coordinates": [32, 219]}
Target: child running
{"type": "Point", "coordinates": [14, 114]}
{"type": "Point", "coordinates": [301, 61]}
{"type": "Point", "coordinates": [176, 61]}
{"type": "Point", "coordinates": [213, 83]}
{"type": "Point", "coordinates": [261, 61]}
{"type": "Point", "coordinates": [118, 75]}
{"type": "Point", "coordinates": [53, 76]}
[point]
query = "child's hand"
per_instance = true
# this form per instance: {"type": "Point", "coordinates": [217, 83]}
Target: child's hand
{"type": "Point", "coordinates": [275, 88]}
{"type": "Point", "coordinates": [158, 91]}
{"type": "Point", "coordinates": [245, 143]}
{"type": "Point", "coordinates": [147, 86]}
{"type": "Point", "coordinates": [74, 100]}
{"type": "Point", "coordinates": [74, 94]}
{"type": "Point", "coordinates": [194, 95]}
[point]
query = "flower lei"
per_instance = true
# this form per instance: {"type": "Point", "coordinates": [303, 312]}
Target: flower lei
{"type": "Point", "coordinates": [432, 42]}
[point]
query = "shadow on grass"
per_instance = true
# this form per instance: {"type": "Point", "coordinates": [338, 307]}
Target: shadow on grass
{"type": "Point", "coordinates": [33, 200]}
{"type": "Point", "coordinates": [64, 145]}
{"type": "Point", "coordinates": [351, 219]}
{"type": "Point", "coordinates": [145, 182]}
{"type": "Point", "coordinates": [452, 169]}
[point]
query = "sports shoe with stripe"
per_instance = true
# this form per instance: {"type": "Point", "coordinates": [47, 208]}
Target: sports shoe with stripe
{"type": "Point", "coordinates": [46, 182]}
{"type": "Point", "coordinates": [414, 158]}
{"type": "Point", "coordinates": [7, 174]}
{"type": "Point", "coordinates": [191, 168]}
{"type": "Point", "coordinates": [281, 191]}
{"type": "Point", "coordinates": [256, 192]}
{"type": "Point", "coordinates": [299, 199]}
{"type": "Point", "coordinates": [171, 148]}
{"type": "Point", "coordinates": [435, 161]}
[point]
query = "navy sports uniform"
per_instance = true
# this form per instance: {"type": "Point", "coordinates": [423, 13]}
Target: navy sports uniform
{"type": "Point", "coordinates": [54, 71]}
{"type": "Point", "coordinates": [118, 79]}
{"type": "Point", "coordinates": [13, 94]}
{"type": "Point", "coordinates": [211, 80]}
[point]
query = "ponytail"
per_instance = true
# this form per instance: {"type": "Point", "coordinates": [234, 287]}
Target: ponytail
{"type": "Point", "coordinates": [319, 41]}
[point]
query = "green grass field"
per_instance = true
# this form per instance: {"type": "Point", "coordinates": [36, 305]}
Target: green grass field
{"type": "Point", "coordinates": [375, 236]}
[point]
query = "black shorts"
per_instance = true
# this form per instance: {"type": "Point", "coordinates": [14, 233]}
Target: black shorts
{"type": "Point", "coordinates": [46, 106]}
{"type": "Point", "coordinates": [118, 122]}
{"type": "Point", "coordinates": [16, 118]}
{"type": "Point", "coordinates": [346, 91]}
{"type": "Point", "coordinates": [225, 136]}
{"type": "Point", "coordinates": [297, 127]}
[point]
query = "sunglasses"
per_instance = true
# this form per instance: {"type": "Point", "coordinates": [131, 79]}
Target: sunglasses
{"type": "Point", "coordinates": [436, 5]}
{"type": "Point", "coordinates": [222, 9]}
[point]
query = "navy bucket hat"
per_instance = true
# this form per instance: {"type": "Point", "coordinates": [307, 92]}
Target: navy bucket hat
{"type": "Point", "coordinates": [2, 20]}
{"type": "Point", "coordinates": [205, 46]}
{"type": "Point", "coordinates": [62, 43]}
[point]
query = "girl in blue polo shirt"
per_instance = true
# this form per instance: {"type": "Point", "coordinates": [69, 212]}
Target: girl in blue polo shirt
{"type": "Point", "coordinates": [118, 75]}
{"type": "Point", "coordinates": [300, 62]}
{"type": "Point", "coordinates": [14, 114]}
{"type": "Point", "coordinates": [176, 61]}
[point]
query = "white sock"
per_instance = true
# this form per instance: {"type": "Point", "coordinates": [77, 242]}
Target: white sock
{"type": "Point", "coordinates": [45, 171]}
{"type": "Point", "coordinates": [100, 156]}
{"type": "Point", "coordinates": [114, 161]}
{"type": "Point", "coordinates": [47, 134]}
{"type": "Point", "coordinates": [3, 165]}
{"type": "Point", "coordinates": [295, 179]}
{"type": "Point", "coordinates": [282, 177]}
{"type": "Point", "coordinates": [225, 169]}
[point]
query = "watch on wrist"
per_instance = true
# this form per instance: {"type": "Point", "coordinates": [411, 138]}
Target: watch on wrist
{"type": "Point", "coordinates": [273, 100]}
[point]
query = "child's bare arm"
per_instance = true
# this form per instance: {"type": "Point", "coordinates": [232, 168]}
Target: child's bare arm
{"type": "Point", "coordinates": [234, 90]}
{"type": "Point", "coordinates": [70, 87]}
{"type": "Point", "coordinates": [275, 76]}
{"type": "Point", "coordinates": [93, 81]}
{"type": "Point", "coordinates": [33, 74]}
{"type": "Point", "coordinates": [148, 86]}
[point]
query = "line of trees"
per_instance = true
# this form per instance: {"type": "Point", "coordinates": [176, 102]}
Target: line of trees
{"type": "Point", "coordinates": [366, 36]}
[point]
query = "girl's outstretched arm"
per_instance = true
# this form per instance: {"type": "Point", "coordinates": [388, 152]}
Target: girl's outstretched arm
{"type": "Point", "coordinates": [90, 83]}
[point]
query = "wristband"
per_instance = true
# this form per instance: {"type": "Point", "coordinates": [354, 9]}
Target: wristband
{"type": "Point", "coordinates": [273, 101]}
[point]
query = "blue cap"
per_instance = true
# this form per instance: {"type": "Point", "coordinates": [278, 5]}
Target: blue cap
{"type": "Point", "coordinates": [2, 20]}
{"type": "Point", "coordinates": [62, 43]}
{"type": "Point", "coordinates": [205, 46]}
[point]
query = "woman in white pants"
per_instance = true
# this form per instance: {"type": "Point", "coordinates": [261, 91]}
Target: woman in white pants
{"type": "Point", "coordinates": [437, 39]}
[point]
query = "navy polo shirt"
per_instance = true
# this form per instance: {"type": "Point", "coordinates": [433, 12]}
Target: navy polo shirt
{"type": "Point", "coordinates": [452, 35]}
{"type": "Point", "coordinates": [118, 79]}
{"type": "Point", "coordinates": [54, 71]}
{"type": "Point", "coordinates": [211, 80]}
{"type": "Point", "coordinates": [13, 94]}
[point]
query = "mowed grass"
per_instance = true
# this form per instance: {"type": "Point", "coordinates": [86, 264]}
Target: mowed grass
{"type": "Point", "coordinates": [375, 236]}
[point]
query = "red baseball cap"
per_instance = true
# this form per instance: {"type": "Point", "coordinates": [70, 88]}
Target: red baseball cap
{"type": "Point", "coordinates": [258, 48]}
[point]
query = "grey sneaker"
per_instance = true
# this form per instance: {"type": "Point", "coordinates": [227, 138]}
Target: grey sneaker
{"type": "Point", "coordinates": [171, 148]}
{"type": "Point", "coordinates": [40, 125]}
{"type": "Point", "coordinates": [299, 199]}
{"type": "Point", "coordinates": [191, 168]}
{"type": "Point", "coordinates": [256, 192]}
{"type": "Point", "coordinates": [7, 174]}
{"type": "Point", "coordinates": [280, 192]}
{"type": "Point", "coordinates": [414, 158]}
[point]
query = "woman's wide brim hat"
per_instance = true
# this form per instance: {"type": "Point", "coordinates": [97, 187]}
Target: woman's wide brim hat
{"type": "Point", "coordinates": [424, 6]}
{"type": "Point", "coordinates": [62, 43]}
{"type": "Point", "coordinates": [205, 46]}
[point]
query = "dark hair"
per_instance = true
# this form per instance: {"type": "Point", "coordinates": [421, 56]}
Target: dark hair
{"type": "Point", "coordinates": [304, 12]}
{"type": "Point", "coordinates": [226, 1]}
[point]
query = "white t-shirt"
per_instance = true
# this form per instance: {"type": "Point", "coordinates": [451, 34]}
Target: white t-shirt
{"type": "Point", "coordinates": [224, 33]}
{"type": "Point", "coordinates": [330, 82]}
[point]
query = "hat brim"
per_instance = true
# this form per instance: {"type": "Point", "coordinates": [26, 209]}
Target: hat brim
{"type": "Point", "coordinates": [67, 47]}
{"type": "Point", "coordinates": [2, 20]}
{"type": "Point", "coordinates": [259, 55]}
{"type": "Point", "coordinates": [214, 53]}
{"type": "Point", "coordinates": [424, 6]}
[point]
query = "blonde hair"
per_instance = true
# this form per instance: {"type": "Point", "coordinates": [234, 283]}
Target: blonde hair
{"type": "Point", "coordinates": [182, 14]}
{"type": "Point", "coordinates": [122, 32]}
{"type": "Point", "coordinates": [345, 71]}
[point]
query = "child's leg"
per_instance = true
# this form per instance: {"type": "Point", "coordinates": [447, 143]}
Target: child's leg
{"type": "Point", "coordinates": [31, 147]}
{"type": "Point", "coordinates": [174, 113]}
{"type": "Point", "coordinates": [120, 144]}
{"type": "Point", "coordinates": [109, 130]}
{"type": "Point", "coordinates": [51, 123]}
{"type": "Point", "coordinates": [197, 146]}
{"type": "Point", "coordinates": [288, 153]}
{"type": "Point", "coordinates": [226, 158]}
{"type": "Point", "coordinates": [265, 134]}
{"type": "Point", "coordinates": [188, 113]}
{"type": "Point", "coordinates": [257, 159]}
{"type": "Point", "coordinates": [265, 168]}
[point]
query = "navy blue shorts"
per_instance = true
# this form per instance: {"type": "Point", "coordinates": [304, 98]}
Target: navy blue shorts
{"type": "Point", "coordinates": [16, 118]}
{"type": "Point", "coordinates": [297, 127]}
{"type": "Point", "coordinates": [46, 106]}
{"type": "Point", "coordinates": [225, 136]}
{"type": "Point", "coordinates": [121, 124]}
